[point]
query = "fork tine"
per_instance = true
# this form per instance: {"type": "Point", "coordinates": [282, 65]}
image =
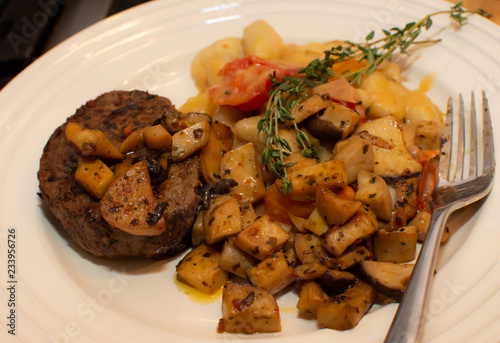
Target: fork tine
{"type": "Point", "coordinates": [444, 157]}
{"type": "Point", "coordinates": [488, 148]}
{"type": "Point", "coordinates": [473, 137]}
{"type": "Point", "coordinates": [460, 140]}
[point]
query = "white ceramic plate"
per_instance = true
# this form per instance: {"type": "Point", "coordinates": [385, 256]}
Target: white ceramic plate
{"type": "Point", "coordinates": [65, 295]}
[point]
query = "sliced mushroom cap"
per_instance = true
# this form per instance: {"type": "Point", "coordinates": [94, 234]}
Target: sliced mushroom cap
{"type": "Point", "coordinates": [177, 121]}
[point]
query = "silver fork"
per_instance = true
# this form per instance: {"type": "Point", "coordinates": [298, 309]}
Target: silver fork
{"type": "Point", "coordinates": [456, 188]}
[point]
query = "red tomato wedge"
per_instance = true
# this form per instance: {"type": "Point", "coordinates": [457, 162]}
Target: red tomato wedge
{"type": "Point", "coordinates": [246, 82]}
{"type": "Point", "coordinates": [278, 205]}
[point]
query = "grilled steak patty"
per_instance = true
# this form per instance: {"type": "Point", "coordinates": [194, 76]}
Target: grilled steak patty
{"type": "Point", "coordinates": [80, 213]}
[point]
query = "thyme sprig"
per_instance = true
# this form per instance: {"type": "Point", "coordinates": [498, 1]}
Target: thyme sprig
{"type": "Point", "coordinates": [288, 91]}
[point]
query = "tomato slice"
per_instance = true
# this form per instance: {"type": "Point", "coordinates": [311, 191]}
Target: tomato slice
{"type": "Point", "coordinates": [246, 82]}
{"type": "Point", "coordinates": [278, 205]}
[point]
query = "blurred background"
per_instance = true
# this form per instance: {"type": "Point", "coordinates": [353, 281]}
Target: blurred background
{"type": "Point", "coordinates": [28, 28]}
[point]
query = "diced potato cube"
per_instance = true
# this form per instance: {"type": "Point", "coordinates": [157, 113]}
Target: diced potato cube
{"type": "Point", "coordinates": [248, 215]}
{"type": "Point", "coordinates": [273, 274]}
{"type": "Point", "coordinates": [220, 142]}
{"type": "Point", "coordinates": [234, 260]}
{"type": "Point", "coordinates": [338, 239]}
{"type": "Point", "coordinates": [158, 138]}
{"type": "Point", "coordinates": [395, 160]}
{"type": "Point", "coordinates": [373, 191]}
{"type": "Point", "coordinates": [189, 140]}
{"type": "Point", "coordinates": [94, 176]}
{"type": "Point", "coordinates": [309, 249]}
{"type": "Point", "coordinates": [343, 312]}
{"type": "Point", "coordinates": [311, 295]}
{"type": "Point", "coordinates": [357, 154]}
{"type": "Point", "coordinates": [200, 269]}
{"type": "Point", "coordinates": [262, 238]}
{"type": "Point", "coordinates": [316, 223]}
{"type": "Point", "coordinates": [224, 220]}
{"type": "Point", "coordinates": [91, 142]}
{"type": "Point", "coordinates": [396, 246]}
{"type": "Point", "coordinates": [335, 210]}
{"type": "Point", "coordinates": [329, 174]}
{"type": "Point", "coordinates": [134, 141]}
{"type": "Point", "coordinates": [242, 165]}
{"type": "Point", "coordinates": [248, 309]}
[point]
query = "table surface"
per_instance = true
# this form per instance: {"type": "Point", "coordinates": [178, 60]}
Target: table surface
{"type": "Point", "coordinates": [491, 6]}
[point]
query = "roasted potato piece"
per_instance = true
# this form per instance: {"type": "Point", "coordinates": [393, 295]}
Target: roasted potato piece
{"type": "Point", "coordinates": [335, 123]}
{"type": "Point", "coordinates": [158, 138]}
{"type": "Point", "coordinates": [273, 274]}
{"type": "Point", "coordinates": [189, 140]}
{"type": "Point", "coordinates": [223, 220]}
{"type": "Point", "coordinates": [393, 161]}
{"type": "Point", "coordinates": [235, 260]}
{"type": "Point", "coordinates": [310, 106]}
{"type": "Point", "coordinates": [344, 311]}
{"type": "Point", "coordinates": [248, 215]}
{"type": "Point", "coordinates": [357, 154]}
{"type": "Point", "coordinates": [388, 278]}
{"type": "Point", "coordinates": [335, 210]}
{"type": "Point", "coordinates": [262, 238]}
{"type": "Point", "coordinates": [248, 309]}
{"type": "Point", "coordinates": [373, 191]}
{"type": "Point", "coordinates": [329, 174]}
{"type": "Point", "coordinates": [220, 141]}
{"type": "Point", "coordinates": [308, 249]}
{"type": "Point", "coordinates": [316, 223]}
{"type": "Point", "coordinates": [134, 141]}
{"type": "Point", "coordinates": [310, 296]}
{"type": "Point", "coordinates": [242, 165]}
{"type": "Point", "coordinates": [361, 225]}
{"type": "Point", "coordinates": [129, 203]}
{"type": "Point", "coordinates": [200, 269]}
{"type": "Point", "coordinates": [94, 176]}
{"type": "Point", "coordinates": [396, 246]}
{"type": "Point", "coordinates": [91, 142]}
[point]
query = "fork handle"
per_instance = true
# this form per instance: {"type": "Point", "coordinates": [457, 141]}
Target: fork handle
{"type": "Point", "coordinates": [407, 324]}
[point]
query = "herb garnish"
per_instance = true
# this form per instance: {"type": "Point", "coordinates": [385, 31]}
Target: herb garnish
{"type": "Point", "coordinates": [288, 91]}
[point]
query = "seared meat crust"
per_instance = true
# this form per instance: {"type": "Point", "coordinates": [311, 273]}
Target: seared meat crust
{"type": "Point", "coordinates": [80, 214]}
